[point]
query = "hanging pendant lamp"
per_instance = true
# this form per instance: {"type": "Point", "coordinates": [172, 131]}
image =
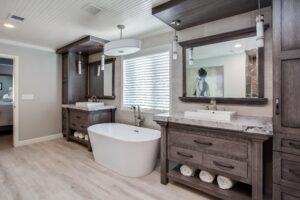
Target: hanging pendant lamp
{"type": "Point", "coordinates": [122, 46]}
{"type": "Point", "coordinates": [259, 28]}
{"type": "Point", "coordinates": [79, 64]}
{"type": "Point", "coordinates": [175, 23]}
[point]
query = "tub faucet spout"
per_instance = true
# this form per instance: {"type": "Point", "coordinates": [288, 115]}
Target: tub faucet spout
{"type": "Point", "coordinates": [140, 119]}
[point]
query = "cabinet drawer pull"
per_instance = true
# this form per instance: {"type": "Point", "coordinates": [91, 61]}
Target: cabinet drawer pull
{"type": "Point", "coordinates": [295, 173]}
{"type": "Point", "coordinates": [223, 166]}
{"type": "Point", "coordinates": [73, 124]}
{"type": "Point", "coordinates": [83, 126]}
{"type": "Point", "coordinates": [203, 143]}
{"type": "Point", "coordinates": [296, 146]}
{"type": "Point", "coordinates": [185, 155]}
{"type": "Point", "coordinates": [78, 117]}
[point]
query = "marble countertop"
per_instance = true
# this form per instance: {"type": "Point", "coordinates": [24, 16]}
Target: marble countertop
{"type": "Point", "coordinates": [244, 124]}
{"type": "Point", "coordinates": [73, 106]}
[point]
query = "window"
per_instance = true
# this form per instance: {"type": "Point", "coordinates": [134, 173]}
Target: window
{"type": "Point", "coordinates": [146, 81]}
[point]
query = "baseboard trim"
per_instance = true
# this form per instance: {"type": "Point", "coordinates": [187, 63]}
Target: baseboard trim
{"type": "Point", "coordinates": [40, 139]}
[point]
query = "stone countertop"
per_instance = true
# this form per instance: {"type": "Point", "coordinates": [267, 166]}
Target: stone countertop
{"type": "Point", "coordinates": [244, 124]}
{"type": "Point", "coordinates": [73, 106]}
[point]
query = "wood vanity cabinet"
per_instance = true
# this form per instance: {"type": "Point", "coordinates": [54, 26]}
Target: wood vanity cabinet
{"type": "Point", "coordinates": [233, 154]}
{"type": "Point", "coordinates": [286, 120]}
{"type": "Point", "coordinates": [80, 120]}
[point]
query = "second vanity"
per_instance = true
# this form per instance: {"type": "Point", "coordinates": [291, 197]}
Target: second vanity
{"type": "Point", "coordinates": [79, 119]}
{"type": "Point", "coordinates": [233, 149]}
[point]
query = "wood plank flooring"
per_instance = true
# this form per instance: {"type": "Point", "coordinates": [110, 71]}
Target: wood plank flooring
{"type": "Point", "coordinates": [60, 170]}
{"type": "Point", "coordinates": [6, 141]}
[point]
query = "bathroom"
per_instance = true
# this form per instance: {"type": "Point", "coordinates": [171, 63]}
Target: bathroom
{"type": "Point", "coordinates": [200, 101]}
{"type": "Point", "coordinates": [6, 103]}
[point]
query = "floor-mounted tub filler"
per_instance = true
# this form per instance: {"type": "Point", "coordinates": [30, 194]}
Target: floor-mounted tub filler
{"type": "Point", "coordinates": [128, 150]}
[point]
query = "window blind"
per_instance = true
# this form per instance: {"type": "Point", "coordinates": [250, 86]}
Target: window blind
{"type": "Point", "coordinates": [146, 81]}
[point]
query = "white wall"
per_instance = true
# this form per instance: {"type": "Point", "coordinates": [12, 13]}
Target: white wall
{"type": "Point", "coordinates": [234, 73]}
{"type": "Point", "coordinates": [40, 75]}
{"type": "Point", "coordinates": [221, 26]}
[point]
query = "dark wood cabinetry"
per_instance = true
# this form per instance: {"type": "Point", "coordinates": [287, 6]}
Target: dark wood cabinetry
{"type": "Point", "coordinates": [80, 120]}
{"type": "Point", "coordinates": [233, 154]}
{"type": "Point", "coordinates": [286, 54]}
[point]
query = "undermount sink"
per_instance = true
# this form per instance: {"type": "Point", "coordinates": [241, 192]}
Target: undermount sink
{"type": "Point", "coordinates": [215, 115]}
{"type": "Point", "coordinates": [89, 105]}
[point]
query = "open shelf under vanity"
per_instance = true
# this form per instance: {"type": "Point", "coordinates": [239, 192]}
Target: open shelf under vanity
{"type": "Point", "coordinates": [239, 191]}
{"type": "Point", "coordinates": [78, 140]}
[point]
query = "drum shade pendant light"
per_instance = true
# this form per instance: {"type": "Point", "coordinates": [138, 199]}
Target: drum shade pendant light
{"type": "Point", "coordinates": [259, 28]}
{"type": "Point", "coordinates": [122, 46]}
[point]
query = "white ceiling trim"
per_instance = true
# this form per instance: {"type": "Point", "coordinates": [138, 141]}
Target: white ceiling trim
{"type": "Point", "coordinates": [26, 45]}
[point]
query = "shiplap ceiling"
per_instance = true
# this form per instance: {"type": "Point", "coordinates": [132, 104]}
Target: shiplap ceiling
{"type": "Point", "coordinates": [54, 23]}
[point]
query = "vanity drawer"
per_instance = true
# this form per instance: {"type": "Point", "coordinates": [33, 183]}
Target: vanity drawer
{"type": "Point", "coordinates": [285, 193]}
{"type": "Point", "coordinates": [287, 169]}
{"type": "Point", "coordinates": [288, 143]}
{"type": "Point", "coordinates": [199, 142]}
{"type": "Point", "coordinates": [226, 165]}
{"type": "Point", "coordinates": [184, 156]}
{"type": "Point", "coordinates": [79, 127]}
{"type": "Point", "coordinates": [79, 117]}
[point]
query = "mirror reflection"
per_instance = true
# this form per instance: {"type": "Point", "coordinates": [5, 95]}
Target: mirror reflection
{"type": "Point", "coordinates": [100, 81]}
{"type": "Point", "coordinates": [225, 69]}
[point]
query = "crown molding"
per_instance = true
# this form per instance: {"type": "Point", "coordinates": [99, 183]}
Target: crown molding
{"type": "Point", "coordinates": [26, 45]}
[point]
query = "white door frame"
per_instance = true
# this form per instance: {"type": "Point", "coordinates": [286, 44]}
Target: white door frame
{"type": "Point", "coordinates": [16, 97]}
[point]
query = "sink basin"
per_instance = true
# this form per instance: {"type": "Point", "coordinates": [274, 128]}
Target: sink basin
{"type": "Point", "coordinates": [214, 115]}
{"type": "Point", "coordinates": [89, 105]}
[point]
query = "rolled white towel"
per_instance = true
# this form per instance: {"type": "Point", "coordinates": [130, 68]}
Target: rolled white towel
{"type": "Point", "coordinates": [206, 176]}
{"type": "Point", "coordinates": [76, 134]}
{"type": "Point", "coordinates": [225, 183]}
{"type": "Point", "coordinates": [86, 137]}
{"type": "Point", "coordinates": [80, 135]}
{"type": "Point", "coordinates": [187, 171]}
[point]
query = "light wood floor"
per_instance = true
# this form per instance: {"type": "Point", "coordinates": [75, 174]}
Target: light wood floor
{"type": "Point", "coordinates": [60, 170]}
{"type": "Point", "coordinates": [6, 141]}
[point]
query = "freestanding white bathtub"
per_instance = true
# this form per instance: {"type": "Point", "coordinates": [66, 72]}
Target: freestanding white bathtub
{"type": "Point", "coordinates": [127, 150]}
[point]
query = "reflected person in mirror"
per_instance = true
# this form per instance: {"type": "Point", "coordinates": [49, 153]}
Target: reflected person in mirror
{"type": "Point", "coordinates": [202, 87]}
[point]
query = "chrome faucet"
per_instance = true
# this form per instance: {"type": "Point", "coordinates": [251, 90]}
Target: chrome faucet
{"type": "Point", "coordinates": [138, 119]}
{"type": "Point", "coordinates": [94, 98]}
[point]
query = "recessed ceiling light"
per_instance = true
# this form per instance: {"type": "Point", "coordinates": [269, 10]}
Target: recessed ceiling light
{"type": "Point", "coordinates": [237, 45]}
{"type": "Point", "coordinates": [7, 25]}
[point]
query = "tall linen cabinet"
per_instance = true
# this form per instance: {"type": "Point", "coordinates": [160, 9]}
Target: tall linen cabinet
{"type": "Point", "coordinates": [286, 62]}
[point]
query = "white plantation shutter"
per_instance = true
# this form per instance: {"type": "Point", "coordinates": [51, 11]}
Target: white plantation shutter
{"type": "Point", "coordinates": [146, 81]}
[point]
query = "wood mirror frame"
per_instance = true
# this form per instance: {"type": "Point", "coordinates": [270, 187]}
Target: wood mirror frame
{"type": "Point", "coordinates": [223, 37]}
{"type": "Point", "coordinates": [107, 61]}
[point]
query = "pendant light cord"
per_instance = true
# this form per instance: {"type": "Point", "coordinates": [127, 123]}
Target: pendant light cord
{"type": "Point", "coordinates": [259, 7]}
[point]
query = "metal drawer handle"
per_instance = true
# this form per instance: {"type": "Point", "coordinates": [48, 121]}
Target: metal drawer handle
{"type": "Point", "coordinates": [295, 173]}
{"type": "Point", "coordinates": [78, 117]}
{"type": "Point", "coordinates": [296, 146]}
{"type": "Point", "coordinates": [83, 126]}
{"type": "Point", "coordinates": [185, 155]}
{"type": "Point", "coordinates": [73, 124]}
{"type": "Point", "coordinates": [221, 165]}
{"type": "Point", "coordinates": [203, 143]}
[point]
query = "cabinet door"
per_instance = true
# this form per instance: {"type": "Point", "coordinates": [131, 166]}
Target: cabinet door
{"type": "Point", "coordinates": [286, 41]}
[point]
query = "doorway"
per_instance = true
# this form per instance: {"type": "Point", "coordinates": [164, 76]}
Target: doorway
{"type": "Point", "coordinates": [8, 101]}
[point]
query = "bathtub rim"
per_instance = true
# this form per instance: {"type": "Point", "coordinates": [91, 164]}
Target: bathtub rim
{"type": "Point", "coordinates": [128, 141]}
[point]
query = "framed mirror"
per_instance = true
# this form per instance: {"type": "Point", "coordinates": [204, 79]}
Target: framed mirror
{"type": "Point", "coordinates": [227, 67]}
{"type": "Point", "coordinates": [101, 83]}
